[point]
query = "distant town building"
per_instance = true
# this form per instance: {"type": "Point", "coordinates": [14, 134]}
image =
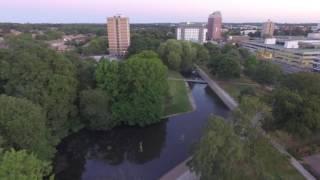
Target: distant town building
{"type": "Point", "coordinates": [118, 35]}
{"type": "Point", "coordinates": [247, 32]}
{"type": "Point", "coordinates": [194, 32]}
{"type": "Point", "coordinates": [268, 29]}
{"type": "Point", "coordinates": [15, 32]}
{"type": "Point", "coordinates": [298, 52]}
{"type": "Point", "coordinates": [316, 28]}
{"type": "Point", "coordinates": [237, 39]}
{"type": "Point", "coordinates": [214, 26]}
{"type": "Point", "coordinates": [316, 64]}
{"type": "Point", "coordinates": [314, 35]}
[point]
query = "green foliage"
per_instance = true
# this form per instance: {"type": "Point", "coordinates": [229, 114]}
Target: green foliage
{"type": "Point", "coordinates": [137, 88]}
{"type": "Point", "coordinates": [19, 165]}
{"type": "Point", "coordinates": [202, 55]}
{"type": "Point", "coordinates": [174, 61]}
{"type": "Point", "coordinates": [95, 109]}
{"type": "Point", "coordinates": [250, 66]}
{"type": "Point", "coordinates": [44, 77]}
{"type": "Point", "coordinates": [23, 126]}
{"type": "Point", "coordinates": [267, 73]}
{"type": "Point", "coordinates": [50, 35]}
{"type": "Point", "coordinates": [296, 104]}
{"type": "Point", "coordinates": [225, 66]}
{"type": "Point", "coordinates": [147, 38]}
{"type": "Point", "coordinates": [142, 95]}
{"type": "Point", "coordinates": [96, 46]}
{"type": "Point", "coordinates": [108, 77]}
{"type": "Point", "coordinates": [236, 150]}
{"type": "Point", "coordinates": [179, 55]}
{"type": "Point", "coordinates": [218, 154]}
{"type": "Point", "coordinates": [85, 71]}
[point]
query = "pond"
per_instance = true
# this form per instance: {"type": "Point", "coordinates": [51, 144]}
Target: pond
{"type": "Point", "coordinates": [133, 152]}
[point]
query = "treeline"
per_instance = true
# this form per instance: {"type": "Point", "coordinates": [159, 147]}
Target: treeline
{"type": "Point", "coordinates": [295, 100]}
{"type": "Point", "coordinates": [235, 148]}
{"type": "Point", "coordinates": [45, 96]}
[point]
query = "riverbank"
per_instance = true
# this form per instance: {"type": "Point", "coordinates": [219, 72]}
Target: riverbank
{"type": "Point", "coordinates": [179, 100]}
{"type": "Point", "coordinates": [289, 167]}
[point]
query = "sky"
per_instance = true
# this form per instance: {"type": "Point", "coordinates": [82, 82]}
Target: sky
{"type": "Point", "coordinates": [157, 11]}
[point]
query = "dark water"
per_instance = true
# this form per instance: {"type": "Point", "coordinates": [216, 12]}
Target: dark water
{"type": "Point", "coordinates": [136, 153]}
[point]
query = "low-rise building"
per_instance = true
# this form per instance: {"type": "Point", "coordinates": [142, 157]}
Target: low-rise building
{"type": "Point", "coordinates": [194, 32]}
{"type": "Point", "coordinates": [248, 31]}
{"type": "Point", "coordinates": [237, 39]}
{"type": "Point", "coordinates": [316, 64]}
{"type": "Point", "coordinates": [316, 28]}
{"type": "Point", "coordinates": [314, 35]}
{"type": "Point", "coordinates": [288, 51]}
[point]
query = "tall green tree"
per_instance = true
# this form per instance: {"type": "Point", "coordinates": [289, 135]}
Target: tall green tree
{"type": "Point", "coordinates": [296, 104]}
{"type": "Point", "coordinates": [267, 73]}
{"type": "Point", "coordinates": [20, 165]}
{"type": "Point", "coordinates": [219, 152]}
{"type": "Point", "coordinates": [225, 66]}
{"type": "Point", "coordinates": [142, 91]}
{"type": "Point", "coordinates": [44, 77]}
{"type": "Point", "coordinates": [95, 109]}
{"type": "Point", "coordinates": [23, 126]}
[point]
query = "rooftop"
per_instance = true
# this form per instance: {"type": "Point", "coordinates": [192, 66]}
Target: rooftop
{"type": "Point", "coordinates": [281, 47]}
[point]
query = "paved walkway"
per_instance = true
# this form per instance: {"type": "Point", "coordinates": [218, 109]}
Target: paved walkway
{"type": "Point", "coordinates": [294, 162]}
{"type": "Point", "coordinates": [180, 172]}
{"type": "Point", "coordinates": [189, 80]}
{"type": "Point", "coordinates": [314, 163]}
{"type": "Point", "coordinates": [221, 93]}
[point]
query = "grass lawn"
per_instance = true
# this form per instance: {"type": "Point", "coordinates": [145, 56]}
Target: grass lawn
{"type": "Point", "coordinates": [276, 163]}
{"type": "Point", "coordinates": [178, 99]}
{"type": "Point", "coordinates": [235, 86]}
{"type": "Point", "coordinates": [298, 147]}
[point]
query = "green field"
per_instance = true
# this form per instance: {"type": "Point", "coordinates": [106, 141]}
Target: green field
{"type": "Point", "coordinates": [177, 100]}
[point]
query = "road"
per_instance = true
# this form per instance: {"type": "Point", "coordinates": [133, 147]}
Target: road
{"type": "Point", "coordinates": [289, 69]}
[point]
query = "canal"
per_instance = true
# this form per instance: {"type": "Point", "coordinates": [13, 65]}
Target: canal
{"type": "Point", "coordinates": [137, 153]}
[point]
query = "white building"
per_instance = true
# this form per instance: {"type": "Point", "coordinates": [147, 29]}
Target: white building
{"type": "Point", "coordinates": [247, 32]}
{"type": "Point", "coordinates": [192, 32]}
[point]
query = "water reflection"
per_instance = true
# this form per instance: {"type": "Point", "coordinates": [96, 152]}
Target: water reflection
{"type": "Point", "coordinates": [136, 153]}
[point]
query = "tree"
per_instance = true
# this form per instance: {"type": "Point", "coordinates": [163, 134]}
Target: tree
{"type": "Point", "coordinates": [142, 90]}
{"type": "Point", "coordinates": [23, 126]}
{"type": "Point", "coordinates": [95, 109]}
{"type": "Point", "coordinates": [136, 87]}
{"type": "Point", "coordinates": [19, 165]}
{"type": "Point", "coordinates": [267, 73]}
{"type": "Point", "coordinates": [188, 56]}
{"type": "Point", "coordinates": [225, 66]}
{"type": "Point", "coordinates": [98, 45]}
{"type": "Point", "coordinates": [296, 104]}
{"type": "Point", "coordinates": [108, 76]}
{"type": "Point", "coordinates": [202, 54]}
{"type": "Point", "coordinates": [250, 66]}
{"type": "Point", "coordinates": [174, 61]}
{"type": "Point", "coordinates": [44, 77]}
{"type": "Point", "coordinates": [178, 55]}
{"type": "Point", "coordinates": [218, 153]}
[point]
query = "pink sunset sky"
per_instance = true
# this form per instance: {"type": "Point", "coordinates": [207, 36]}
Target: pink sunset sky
{"type": "Point", "coordinates": [148, 11]}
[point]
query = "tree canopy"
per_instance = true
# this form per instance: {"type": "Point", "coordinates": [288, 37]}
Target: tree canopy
{"type": "Point", "coordinates": [296, 104]}
{"type": "Point", "coordinates": [23, 126]}
{"type": "Point", "coordinates": [44, 77]}
{"type": "Point", "coordinates": [20, 165]}
{"type": "Point", "coordinates": [178, 55]}
{"type": "Point", "coordinates": [137, 88]}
